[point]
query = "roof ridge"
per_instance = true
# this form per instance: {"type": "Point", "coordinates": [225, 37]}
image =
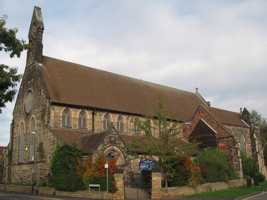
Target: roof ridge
{"type": "Point", "coordinates": [225, 110]}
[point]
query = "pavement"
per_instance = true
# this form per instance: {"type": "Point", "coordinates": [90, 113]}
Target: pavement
{"type": "Point", "coordinates": [16, 196]}
{"type": "Point", "coordinates": [260, 196]}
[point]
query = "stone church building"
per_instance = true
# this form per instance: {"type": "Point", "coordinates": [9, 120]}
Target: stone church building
{"type": "Point", "coordinates": [60, 102]}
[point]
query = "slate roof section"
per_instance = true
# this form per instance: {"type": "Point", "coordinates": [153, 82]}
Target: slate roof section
{"type": "Point", "coordinates": [74, 84]}
{"type": "Point", "coordinates": [85, 140]}
{"type": "Point", "coordinates": [77, 85]}
{"type": "Point", "coordinates": [88, 142]}
{"type": "Point", "coordinates": [228, 117]}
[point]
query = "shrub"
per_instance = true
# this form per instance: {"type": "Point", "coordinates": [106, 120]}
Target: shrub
{"type": "Point", "coordinates": [214, 165]}
{"type": "Point", "coordinates": [64, 169]}
{"type": "Point", "coordinates": [179, 173]}
{"type": "Point", "coordinates": [251, 170]}
{"type": "Point", "coordinates": [95, 173]}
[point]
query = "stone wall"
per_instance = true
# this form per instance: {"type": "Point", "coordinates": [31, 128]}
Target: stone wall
{"type": "Point", "coordinates": [156, 186]}
{"type": "Point", "coordinates": [241, 134]}
{"type": "Point", "coordinates": [30, 116]}
{"type": "Point", "coordinates": [173, 192]}
{"type": "Point", "coordinates": [94, 120]}
{"type": "Point", "coordinates": [119, 194]}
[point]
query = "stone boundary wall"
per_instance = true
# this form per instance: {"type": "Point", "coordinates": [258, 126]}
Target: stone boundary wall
{"type": "Point", "coordinates": [49, 191]}
{"type": "Point", "coordinates": [207, 187]}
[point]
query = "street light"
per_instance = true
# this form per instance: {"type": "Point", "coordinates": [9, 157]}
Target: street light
{"type": "Point", "coordinates": [34, 157]}
{"type": "Point", "coordinates": [106, 167]}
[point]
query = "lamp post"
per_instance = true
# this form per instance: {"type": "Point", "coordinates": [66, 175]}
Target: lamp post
{"type": "Point", "coordinates": [106, 167]}
{"type": "Point", "coordinates": [34, 158]}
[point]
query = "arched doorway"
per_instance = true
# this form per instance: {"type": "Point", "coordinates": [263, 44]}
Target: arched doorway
{"type": "Point", "coordinates": [114, 153]}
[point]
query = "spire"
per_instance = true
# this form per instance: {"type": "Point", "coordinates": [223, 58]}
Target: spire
{"type": "Point", "coordinates": [35, 36]}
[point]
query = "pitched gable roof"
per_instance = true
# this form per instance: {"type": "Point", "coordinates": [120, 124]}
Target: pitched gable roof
{"type": "Point", "coordinates": [228, 117]}
{"type": "Point", "coordinates": [74, 84]}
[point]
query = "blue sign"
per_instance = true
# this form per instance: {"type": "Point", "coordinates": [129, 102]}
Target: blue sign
{"type": "Point", "coordinates": [146, 165]}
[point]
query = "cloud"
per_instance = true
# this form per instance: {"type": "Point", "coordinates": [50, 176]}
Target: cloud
{"type": "Point", "coordinates": [218, 47]}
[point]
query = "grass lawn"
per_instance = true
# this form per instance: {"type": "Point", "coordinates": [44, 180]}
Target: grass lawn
{"type": "Point", "coordinates": [229, 193]}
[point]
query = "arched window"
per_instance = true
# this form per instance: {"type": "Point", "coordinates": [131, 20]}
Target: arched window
{"type": "Point", "coordinates": [66, 118]}
{"type": "Point", "coordinates": [131, 125]}
{"type": "Point", "coordinates": [136, 125]}
{"type": "Point", "coordinates": [106, 121]}
{"type": "Point", "coordinates": [243, 144]}
{"type": "Point", "coordinates": [120, 127]}
{"type": "Point", "coordinates": [82, 120]}
{"type": "Point", "coordinates": [21, 141]}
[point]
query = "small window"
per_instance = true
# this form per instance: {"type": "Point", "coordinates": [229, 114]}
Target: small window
{"type": "Point", "coordinates": [66, 118]}
{"type": "Point", "coordinates": [106, 121]}
{"type": "Point", "coordinates": [82, 120]}
{"type": "Point", "coordinates": [120, 127]}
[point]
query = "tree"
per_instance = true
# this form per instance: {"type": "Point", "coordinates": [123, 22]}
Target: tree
{"type": "Point", "coordinates": [163, 148]}
{"type": "Point", "coordinates": [65, 169]}
{"type": "Point", "coordinates": [9, 76]}
{"type": "Point", "coordinates": [259, 122]}
{"type": "Point", "coordinates": [251, 170]}
{"type": "Point", "coordinates": [259, 125]}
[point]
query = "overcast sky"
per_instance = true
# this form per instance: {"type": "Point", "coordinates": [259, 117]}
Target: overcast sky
{"type": "Point", "coordinates": [218, 46]}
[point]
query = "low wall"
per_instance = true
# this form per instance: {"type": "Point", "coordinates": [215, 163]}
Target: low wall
{"type": "Point", "coordinates": [16, 188]}
{"type": "Point", "coordinates": [207, 187]}
{"type": "Point", "coordinates": [48, 191]}
{"type": "Point", "coordinates": [118, 195]}
{"type": "Point", "coordinates": [85, 194]}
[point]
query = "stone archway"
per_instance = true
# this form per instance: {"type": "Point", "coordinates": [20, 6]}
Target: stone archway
{"type": "Point", "coordinates": [114, 153]}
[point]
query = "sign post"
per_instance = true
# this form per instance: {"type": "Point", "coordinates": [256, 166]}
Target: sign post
{"type": "Point", "coordinates": [106, 167]}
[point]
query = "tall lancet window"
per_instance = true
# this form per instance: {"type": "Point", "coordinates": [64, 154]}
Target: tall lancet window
{"type": "Point", "coordinates": [136, 126]}
{"type": "Point", "coordinates": [243, 144]}
{"type": "Point", "coordinates": [21, 141]}
{"type": "Point", "coordinates": [66, 118]}
{"type": "Point", "coordinates": [82, 120]}
{"type": "Point", "coordinates": [120, 127]}
{"type": "Point", "coordinates": [106, 121]}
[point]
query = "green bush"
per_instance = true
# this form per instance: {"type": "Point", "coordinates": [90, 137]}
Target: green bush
{"type": "Point", "coordinates": [251, 170]}
{"type": "Point", "coordinates": [64, 169]}
{"type": "Point", "coordinates": [214, 165]}
{"type": "Point", "coordinates": [178, 174]}
{"type": "Point", "coordinates": [102, 181]}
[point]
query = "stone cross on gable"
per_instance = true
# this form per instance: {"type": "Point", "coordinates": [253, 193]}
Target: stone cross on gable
{"type": "Point", "coordinates": [35, 36]}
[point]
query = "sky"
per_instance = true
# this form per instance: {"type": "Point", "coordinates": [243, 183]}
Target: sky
{"type": "Point", "coordinates": [217, 46]}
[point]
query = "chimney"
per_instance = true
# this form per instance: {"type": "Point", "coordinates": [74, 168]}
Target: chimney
{"type": "Point", "coordinates": [196, 91]}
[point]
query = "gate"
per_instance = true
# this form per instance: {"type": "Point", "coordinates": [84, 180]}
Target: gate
{"type": "Point", "coordinates": [137, 185]}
